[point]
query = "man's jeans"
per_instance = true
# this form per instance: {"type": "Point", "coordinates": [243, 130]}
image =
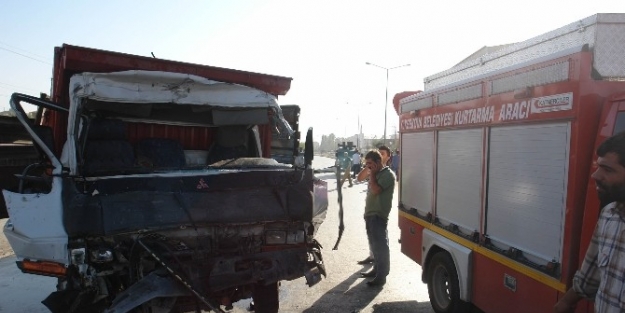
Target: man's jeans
{"type": "Point", "coordinates": [378, 241]}
{"type": "Point", "coordinates": [355, 170]}
{"type": "Point", "coordinates": [346, 175]}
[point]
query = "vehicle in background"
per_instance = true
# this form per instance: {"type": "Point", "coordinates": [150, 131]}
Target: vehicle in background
{"type": "Point", "coordinates": [157, 192]}
{"type": "Point", "coordinates": [16, 152]}
{"type": "Point", "coordinates": [496, 202]}
{"type": "Point", "coordinates": [345, 147]}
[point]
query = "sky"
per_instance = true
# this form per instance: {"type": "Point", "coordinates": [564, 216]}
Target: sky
{"type": "Point", "coordinates": [323, 45]}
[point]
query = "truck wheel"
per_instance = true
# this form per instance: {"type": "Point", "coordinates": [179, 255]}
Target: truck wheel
{"type": "Point", "coordinates": [266, 298]}
{"type": "Point", "coordinates": [443, 285]}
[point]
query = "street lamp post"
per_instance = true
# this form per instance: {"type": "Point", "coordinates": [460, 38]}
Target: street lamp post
{"type": "Point", "coordinates": [386, 101]}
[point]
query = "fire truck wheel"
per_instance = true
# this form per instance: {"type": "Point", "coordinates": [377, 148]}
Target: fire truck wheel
{"type": "Point", "coordinates": [443, 286]}
{"type": "Point", "coordinates": [266, 298]}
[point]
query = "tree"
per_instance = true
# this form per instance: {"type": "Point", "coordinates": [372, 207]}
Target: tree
{"type": "Point", "coordinates": [328, 143]}
{"type": "Point", "coordinates": [316, 147]}
{"type": "Point", "coordinates": [378, 142]}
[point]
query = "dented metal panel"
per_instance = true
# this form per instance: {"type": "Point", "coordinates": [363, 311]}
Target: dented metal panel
{"type": "Point", "coordinates": [136, 87]}
{"type": "Point", "coordinates": [36, 227]}
{"type": "Point", "coordinates": [135, 204]}
{"type": "Point", "coordinates": [121, 204]}
{"type": "Point", "coordinates": [143, 89]}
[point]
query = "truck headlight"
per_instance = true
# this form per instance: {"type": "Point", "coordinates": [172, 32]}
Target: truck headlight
{"type": "Point", "coordinates": [296, 236]}
{"type": "Point", "coordinates": [275, 237]}
{"type": "Point", "coordinates": [101, 255]}
{"type": "Point", "coordinates": [280, 237]}
{"type": "Point", "coordinates": [78, 256]}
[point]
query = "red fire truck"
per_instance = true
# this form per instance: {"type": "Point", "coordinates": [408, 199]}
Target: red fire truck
{"type": "Point", "coordinates": [496, 201]}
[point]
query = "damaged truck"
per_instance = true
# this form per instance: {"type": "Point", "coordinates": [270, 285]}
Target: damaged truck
{"type": "Point", "coordinates": [156, 189]}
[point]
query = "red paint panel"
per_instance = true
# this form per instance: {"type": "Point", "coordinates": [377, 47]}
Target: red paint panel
{"type": "Point", "coordinates": [265, 139]}
{"type": "Point", "coordinates": [411, 239]}
{"type": "Point", "coordinates": [80, 59]}
{"type": "Point", "coordinates": [490, 294]}
{"type": "Point", "coordinates": [192, 138]}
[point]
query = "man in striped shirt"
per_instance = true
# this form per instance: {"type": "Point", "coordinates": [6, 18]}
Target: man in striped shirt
{"type": "Point", "coordinates": [602, 275]}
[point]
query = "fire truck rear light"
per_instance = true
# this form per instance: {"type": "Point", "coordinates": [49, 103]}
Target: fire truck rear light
{"type": "Point", "coordinates": [42, 268]}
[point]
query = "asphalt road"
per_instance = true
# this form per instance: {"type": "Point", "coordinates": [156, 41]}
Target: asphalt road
{"type": "Point", "coordinates": [342, 291]}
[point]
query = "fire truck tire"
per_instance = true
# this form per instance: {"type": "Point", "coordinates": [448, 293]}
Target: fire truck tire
{"type": "Point", "coordinates": [443, 285]}
{"type": "Point", "coordinates": [266, 298]}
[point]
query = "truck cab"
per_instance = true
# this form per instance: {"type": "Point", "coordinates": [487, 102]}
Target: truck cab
{"type": "Point", "coordinates": [159, 190]}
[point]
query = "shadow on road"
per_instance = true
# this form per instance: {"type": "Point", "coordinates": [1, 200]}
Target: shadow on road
{"type": "Point", "coordinates": [325, 176]}
{"type": "Point", "coordinates": [346, 298]}
{"type": "Point", "coordinates": [402, 306]}
{"type": "Point", "coordinates": [330, 178]}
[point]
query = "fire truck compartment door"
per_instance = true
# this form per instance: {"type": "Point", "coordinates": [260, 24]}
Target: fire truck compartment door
{"type": "Point", "coordinates": [459, 253]}
{"type": "Point", "coordinates": [459, 167]}
{"type": "Point", "coordinates": [527, 184]}
{"type": "Point", "coordinates": [417, 171]}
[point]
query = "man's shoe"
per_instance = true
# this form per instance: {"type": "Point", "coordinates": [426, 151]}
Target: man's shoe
{"type": "Point", "coordinates": [368, 260]}
{"type": "Point", "coordinates": [351, 185]}
{"type": "Point", "coordinates": [369, 274]}
{"type": "Point", "coordinates": [377, 282]}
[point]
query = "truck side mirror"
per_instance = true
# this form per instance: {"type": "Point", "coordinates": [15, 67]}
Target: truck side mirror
{"type": "Point", "coordinates": [308, 147]}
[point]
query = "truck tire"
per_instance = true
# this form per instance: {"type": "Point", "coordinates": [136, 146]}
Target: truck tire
{"type": "Point", "coordinates": [443, 285]}
{"type": "Point", "coordinates": [266, 298]}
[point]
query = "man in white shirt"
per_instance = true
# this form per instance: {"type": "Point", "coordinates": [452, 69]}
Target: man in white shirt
{"type": "Point", "coordinates": [356, 159]}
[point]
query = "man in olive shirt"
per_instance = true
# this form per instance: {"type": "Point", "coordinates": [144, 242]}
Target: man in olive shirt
{"type": "Point", "coordinates": [385, 153]}
{"type": "Point", "coordinates": [377, 208]}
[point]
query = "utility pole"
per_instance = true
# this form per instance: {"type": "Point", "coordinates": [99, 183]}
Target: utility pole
{"type": "Point", "coordinates": [386, 100]}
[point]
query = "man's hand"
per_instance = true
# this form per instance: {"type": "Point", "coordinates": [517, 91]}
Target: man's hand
{"type": "Point", "coordinates": [567, 302]}
{"type": "Point", "coordinates": [363, 174]}
{"type": "Point", "coordinates": [563, 307]}
{"type": "Point", "coordinates": [375, 168]}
